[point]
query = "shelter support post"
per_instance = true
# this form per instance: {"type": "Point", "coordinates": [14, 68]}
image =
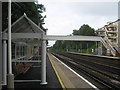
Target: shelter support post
{"type": "Point", "coordinates": [28, 51]}
{"type": "Point", "coordinates": [4, 62]}
{"type": "Point", "coordinates": [15, 51]}
{"type": "Point", "coordinates": [10, 76]}
{"type": "Point", "coordinates": [43, 68]}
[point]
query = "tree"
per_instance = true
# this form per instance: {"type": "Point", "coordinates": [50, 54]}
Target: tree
{"type": "Point", "coordinates": [32, 10]}
{"type": "Point", "coordinates": [84, 30]}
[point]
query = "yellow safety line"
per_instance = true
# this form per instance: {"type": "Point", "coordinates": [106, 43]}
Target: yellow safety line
{"type": "Point", "coordinates": [57, 74]}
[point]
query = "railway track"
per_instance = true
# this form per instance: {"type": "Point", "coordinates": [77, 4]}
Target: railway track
{"type": "Point", "coordinates": [102, 72]}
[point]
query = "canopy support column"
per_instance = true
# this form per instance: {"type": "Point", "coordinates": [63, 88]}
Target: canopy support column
{"type": "Point", "coordinates": [43, 73]}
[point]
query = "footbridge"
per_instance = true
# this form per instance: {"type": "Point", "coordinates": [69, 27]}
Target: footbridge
{"type": "Point", "coordinates": [113, 48]}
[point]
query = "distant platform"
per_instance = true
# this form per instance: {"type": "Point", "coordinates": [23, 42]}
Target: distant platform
{"type": "Point", "coordinates": [93, 55]}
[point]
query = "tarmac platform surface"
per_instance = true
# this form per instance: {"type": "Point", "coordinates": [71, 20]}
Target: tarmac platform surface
{"type": "Point", "coordinates": [34, 73]}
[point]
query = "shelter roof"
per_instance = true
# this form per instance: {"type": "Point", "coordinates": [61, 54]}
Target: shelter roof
{"type": "Point", "coordinates": [25, 25]}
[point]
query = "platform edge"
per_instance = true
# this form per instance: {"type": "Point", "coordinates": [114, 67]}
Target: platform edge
{"type": "Point", "coordinates": [61, 82]}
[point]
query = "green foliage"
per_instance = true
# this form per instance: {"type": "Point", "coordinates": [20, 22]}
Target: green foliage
{"type": "Point", "coordinates": [76, 46]}
{"type": "Point", "coordinates": [85, 30]}
{"type": "Point", "coordinates": [32, 10]}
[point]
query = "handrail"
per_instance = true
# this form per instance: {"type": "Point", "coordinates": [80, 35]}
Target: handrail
{"type": "Point", "coordinates": [113, 45]}
{"type": "Point", "coordinates": [107, 45]}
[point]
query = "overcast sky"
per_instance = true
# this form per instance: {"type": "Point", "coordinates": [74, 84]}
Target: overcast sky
{"type": "Point", "coordinates": [63, 16]}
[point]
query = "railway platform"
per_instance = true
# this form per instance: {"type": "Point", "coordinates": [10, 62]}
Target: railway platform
{"type": "Point", "coordinates": [59, 76]}
{"type": "Point", "coordinates": [68, 77]}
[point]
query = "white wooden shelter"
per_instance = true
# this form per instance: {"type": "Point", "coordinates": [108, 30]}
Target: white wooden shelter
{"type": "Point", "coordinates": [26, 33]}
